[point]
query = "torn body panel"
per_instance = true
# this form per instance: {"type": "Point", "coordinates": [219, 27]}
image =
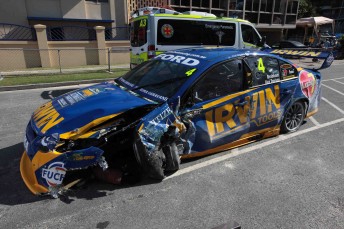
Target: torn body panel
{"type": "Point", "coordinates": [162, 139]}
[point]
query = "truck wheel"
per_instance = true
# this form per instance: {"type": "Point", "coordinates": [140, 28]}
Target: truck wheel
{"type": "Point", "coordinates": [293, 118]}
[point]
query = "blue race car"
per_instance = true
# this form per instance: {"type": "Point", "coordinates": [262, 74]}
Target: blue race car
{"type": "Point", "coordinates": [181, 104]}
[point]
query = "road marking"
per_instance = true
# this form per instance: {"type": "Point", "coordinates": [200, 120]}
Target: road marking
{"type": "Point", "coordinates": [237, 152]}
{"type": "Point", "coordinates": [338, 81]}
{"type": "Point", "coordinates": [333, 89]}
{"type": "Point", "coordinates": [315, 122]}
{"type": "Point", "coordinates": [333, 105]}
{"type": "Point", "coordinates": [332, 79]}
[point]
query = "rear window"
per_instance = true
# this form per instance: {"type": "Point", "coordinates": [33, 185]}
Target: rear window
{"type": "Point", "coordinates": [187, 32]}
{"type": "Point", "coordinates": [138, 33]}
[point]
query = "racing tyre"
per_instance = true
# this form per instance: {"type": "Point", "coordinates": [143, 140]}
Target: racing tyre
{"type": "Point", "coordinates": [293, 118]}
{"type": "Point", "coordinates": [151, 163]}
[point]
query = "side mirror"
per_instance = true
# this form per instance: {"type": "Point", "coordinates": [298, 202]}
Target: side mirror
{"type": "Point", "coordinates": [262, 41]}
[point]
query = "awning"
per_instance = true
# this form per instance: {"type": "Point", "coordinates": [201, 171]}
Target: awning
{"type": "Point", "coordinates": [314, 22]}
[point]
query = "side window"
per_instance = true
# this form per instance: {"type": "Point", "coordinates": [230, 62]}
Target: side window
{"type": "Point", "coordinates": [262, 70]}
{"type": "Point", "coordinates": [224, 79]}
{"type": "Point", "coordinates": [287, 70]}
{"type": "Point", "coordinates": [249, 35]}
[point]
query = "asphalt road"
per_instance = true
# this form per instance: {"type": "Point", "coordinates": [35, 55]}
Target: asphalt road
{"type": "Point", "coordinates": [289, 181]}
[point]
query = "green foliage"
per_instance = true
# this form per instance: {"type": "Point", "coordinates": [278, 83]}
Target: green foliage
{"type": "Point", "coordinates": [53, 78]}
{"type": "Point", "coordinates": [306, 9]}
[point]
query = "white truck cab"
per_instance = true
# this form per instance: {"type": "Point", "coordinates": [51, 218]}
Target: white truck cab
{"type": "Point", "coordinates": [157, 31]}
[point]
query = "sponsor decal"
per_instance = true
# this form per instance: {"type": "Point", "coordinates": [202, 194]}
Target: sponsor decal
{"type": "Point", "coordinates": [218, 27]}
{"type": "Point", "coordinates": [62, 102]}
{"type": "Point", "coordinates": [46, 117]}
{"type": "Point", "coordinates": [307, 82]}
{"type": "Point", "coordinates": [262, 107]}
{"type": "Point", "coordinates": [167, 31]}
{"type": "Point", "coordinates": [54, 174]}
{"type": "Point", "coordinates": [296, 53]}
{"type": "Point", "coordinates": [285, 66]}
{"type": "Point", "coordinates": [79, 157]}
{"type": "Point", "coordinates": [179, 59]}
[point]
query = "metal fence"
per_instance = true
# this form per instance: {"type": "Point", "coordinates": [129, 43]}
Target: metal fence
{"type": "Point", "coordinates": [117, 33]}
{"type": "Point", "coordinates": [29, 61]}
{"type": "Point", "coordinates": [71, 33]}
{"type": "Point", "coordinates": [12, 32]}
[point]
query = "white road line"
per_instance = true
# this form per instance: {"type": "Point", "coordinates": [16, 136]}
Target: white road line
{"type": "Point", "coordinates": [332, 79]}
{"type": "Point", "coordinates": [235, 153]}
{"type": "Point", "coordinates": [315, 122]}
{"type": "Point", "coordinates": [333, 105]}
{"type": "Point", "coordinates": [338, 81]}
{"type": "Point", "coordinates": [339, 92]}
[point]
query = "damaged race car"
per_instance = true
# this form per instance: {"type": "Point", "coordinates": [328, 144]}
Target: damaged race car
{"type": "Point", "coordinates": [181, 104]}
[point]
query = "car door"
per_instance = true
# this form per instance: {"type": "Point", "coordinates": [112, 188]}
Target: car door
{"type": "Point", "coordinates": [219, 107]}
{"type": "Point", "coordinates": [268, 95]}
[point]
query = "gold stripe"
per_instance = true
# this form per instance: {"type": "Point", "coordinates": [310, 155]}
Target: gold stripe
{"type": "Point", "coordinates": [81, 131]}
{"type": "Point", "coordinates": [224, 99]}
{"type": "Point", "coordinates": [244, 140]}
{"type": "Point", "coordinates": [29, 178]}
{"type": "Point", "coordinates": [41, 158]}
{"type": "Point", "coordinates": [309, 114]}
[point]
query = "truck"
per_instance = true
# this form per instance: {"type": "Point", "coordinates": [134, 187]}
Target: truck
{"type": "Point", "coordinates": [157, 30]}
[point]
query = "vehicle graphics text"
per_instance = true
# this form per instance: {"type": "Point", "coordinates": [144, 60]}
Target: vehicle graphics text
{"type": "Point", "coordinates": [260, 108]}
{"type": "Point", "coordinates": [46, 117]}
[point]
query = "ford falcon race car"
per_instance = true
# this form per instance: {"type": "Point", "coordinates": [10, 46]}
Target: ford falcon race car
{"type": "Point", "coordinates": [181, 104]}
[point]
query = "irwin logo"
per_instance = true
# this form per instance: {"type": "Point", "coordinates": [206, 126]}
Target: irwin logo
{"type": "Point", "coordinates": [296, 53]}
{"type": "Point", "coordinates": [260, 108]}
{"type": "Point", "coordinates": [46, 117]}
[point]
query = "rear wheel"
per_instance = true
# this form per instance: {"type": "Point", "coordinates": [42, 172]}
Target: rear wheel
{"type": "Point", "coordinates": [293, 118]}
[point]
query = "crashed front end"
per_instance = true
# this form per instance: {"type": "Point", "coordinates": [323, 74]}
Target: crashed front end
{"type": "Point", "coordinates": [44, 163]}
{"type": "Point", "coordinates": [62, 138]}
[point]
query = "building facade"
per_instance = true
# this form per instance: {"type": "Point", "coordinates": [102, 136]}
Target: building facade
{"type": "Point", "coordinates": [270, 17]}
{"type": "Point", "coordinates": [333, 9]}
{"type": "Point", "coordinates": [109, 13]}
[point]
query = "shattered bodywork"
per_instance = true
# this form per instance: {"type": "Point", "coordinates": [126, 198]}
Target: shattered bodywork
{"type": "Point", "coordinates": [158, 114]}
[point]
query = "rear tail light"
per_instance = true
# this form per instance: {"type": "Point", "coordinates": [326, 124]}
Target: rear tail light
{"type": "Point", "coordinates": [151, 51]}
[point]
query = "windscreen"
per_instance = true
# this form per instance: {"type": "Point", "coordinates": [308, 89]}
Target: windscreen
{"type": "Point", "coordinates": [138, 32]}
{"type": "Point", "coordinates": [192, 32]}
{"type": "Point", "coordinates": [157, 78]}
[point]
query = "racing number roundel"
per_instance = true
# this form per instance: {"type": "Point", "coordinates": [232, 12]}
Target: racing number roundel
{"type": "Point", "coordinates": [307, 81]}
{"type": "Point", "coordinates": [167, 31]}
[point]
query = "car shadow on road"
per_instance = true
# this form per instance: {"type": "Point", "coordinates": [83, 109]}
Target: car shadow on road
{"type": "Point", "coordinates": [13, 189]}
{"type": "Point", "coordinates": [55, 93]}
{"type": "Point", "coordinates": [15, 192]}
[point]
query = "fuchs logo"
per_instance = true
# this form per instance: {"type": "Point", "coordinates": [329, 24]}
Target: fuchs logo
{"type": "Point", "coordinates": [54, 174]}
{"type": "Point", "coordinates": [307, 81]}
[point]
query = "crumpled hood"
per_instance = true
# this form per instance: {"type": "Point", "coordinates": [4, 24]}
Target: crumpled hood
{"type": "Point", "coordinates": [78, 108]}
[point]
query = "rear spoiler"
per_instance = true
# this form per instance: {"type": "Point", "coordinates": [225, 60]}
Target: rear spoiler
{"type": "Point", "coordinates": [306, 58]}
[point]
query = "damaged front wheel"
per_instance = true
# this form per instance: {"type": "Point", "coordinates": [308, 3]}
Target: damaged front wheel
{"type": "Point", "coordinates": [150, 162]}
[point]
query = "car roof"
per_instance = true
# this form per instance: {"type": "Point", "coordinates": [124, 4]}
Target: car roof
{"type": "Point", "coordinates": [219, 54]}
